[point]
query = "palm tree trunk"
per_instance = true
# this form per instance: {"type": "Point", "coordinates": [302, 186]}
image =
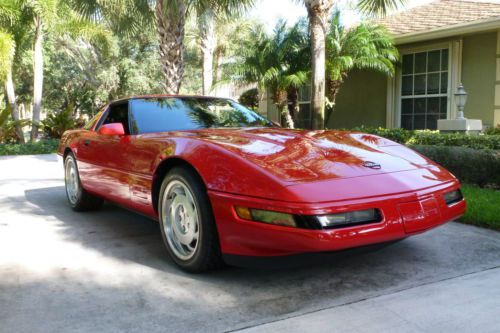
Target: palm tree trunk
{"type": "Point", "coordinates": [332, 90]}
{"type": "Point", "coordinates": [318, 12]}
{"type": "Point", "coordinates": [294, 107]}
{"type": "Point", "coordinates": [170, 21]}
{"type": "Point", "coordinates": [37, 77]}
{"type": "Point", "coordinates": [281, 101]}
{"type": "Point", "coordinates": [11, 98]}
{"type": "Point", "coordinates": [207, 45]}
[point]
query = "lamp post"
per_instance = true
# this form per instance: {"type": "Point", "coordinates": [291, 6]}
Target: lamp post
{"type": "Point", "coordinates": [460, 100]}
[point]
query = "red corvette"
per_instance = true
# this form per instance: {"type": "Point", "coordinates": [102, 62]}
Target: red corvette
{"type": "Point", "coordinates": [224, 182]}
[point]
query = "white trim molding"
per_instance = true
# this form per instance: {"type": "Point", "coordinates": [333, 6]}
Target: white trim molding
{"type": "Point", "coordinates": [449, 31]}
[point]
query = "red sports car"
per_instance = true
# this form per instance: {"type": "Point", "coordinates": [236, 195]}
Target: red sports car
{"type": "Point", "coordinates": [226, 183]}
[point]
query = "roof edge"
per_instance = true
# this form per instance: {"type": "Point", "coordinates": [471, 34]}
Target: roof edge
{"type": "Point", "coordinates": [491, 23]}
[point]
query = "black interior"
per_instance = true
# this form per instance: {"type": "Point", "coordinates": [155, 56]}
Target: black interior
{"type": "Point", "coordinates": [118, 113]}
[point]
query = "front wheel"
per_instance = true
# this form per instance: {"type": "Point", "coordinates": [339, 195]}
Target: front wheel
{"type": "Point", "coordinates": [78, 199]}
{"type": "Point", "coordinates": [187, 223]}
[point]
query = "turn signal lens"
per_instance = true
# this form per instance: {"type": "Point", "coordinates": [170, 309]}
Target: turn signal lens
{"type": "Point", "coordinates": [348, 218]}
{"type": "Point", "coordinates": [265, 216]}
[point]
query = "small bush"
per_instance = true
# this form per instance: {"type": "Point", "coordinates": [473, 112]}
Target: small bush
{"type": "Point", "coordinates": [473, 166]}
{"type": "Point", "coordinates": [57, 123]}
{"type": "Point", "coordinates": [250, 99]}
{"type": "Point", "coordinates": [426, 137]}
{"type": "Point", "coordinates": [30, 148]}
{"type": "Point", "coordinates": [493, 130]}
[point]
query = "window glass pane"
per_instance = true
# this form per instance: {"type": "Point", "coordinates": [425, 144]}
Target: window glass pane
{"type": "Point", "coordinates": [443, 109]}
{"type": "Point", "coordinates": [433, 83]}
{"type": "Point", "coordinates": [420, 62]}
{"type": "Point", "coordinates": [419, 84]}
{"type": "Point", "coordinates": [434, 61]}
{"type": "Point", "coordinates": [407, 85]}
{"type": "Point", "coordinates": [305, 94]}
{"type": "Point", "coordinates": [433, 105]}
{"type": "Point", "coordinates": [304, 118]}
{"type": "Point", "coordinates": [187, 113]}
{"type": "Point", "coordinates": [419, 106]}
{"type": "Point", "coordinates": [408, 64]}
{"type": "Point", "coordinates": [407, 106]}
{"type": "Point", "coordinates": [444, 60]}
{"type": "Point", "coordinates": [432, 121]}
{"type": "Point", "coordinates": [419, 122]}
{"type": "Point", "coordinates": [444, 82]}
{"type": "Point", "coordinates": [407, 122]}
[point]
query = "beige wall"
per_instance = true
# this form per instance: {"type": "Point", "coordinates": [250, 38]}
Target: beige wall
{"type": "Point", "coordinates": [479, 75]}
{"type": "Point", "coordinates": [361, 101]}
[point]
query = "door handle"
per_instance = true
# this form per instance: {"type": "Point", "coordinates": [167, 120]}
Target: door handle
{"type": "Point", "coordinates": [86, 142]}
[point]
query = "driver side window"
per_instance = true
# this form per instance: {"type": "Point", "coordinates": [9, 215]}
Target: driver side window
{"type": "Point", "coordinates": [118, 113]}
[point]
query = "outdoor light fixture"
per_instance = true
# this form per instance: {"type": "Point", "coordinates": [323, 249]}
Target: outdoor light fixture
{"type": "Point", "coordinates": [460, 100]}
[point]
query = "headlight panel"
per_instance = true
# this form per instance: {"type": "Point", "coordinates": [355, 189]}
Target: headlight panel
{"type": "Point", "coordinates": [453, 197]}
{"type": "Point", "coordinates": [330, 221]}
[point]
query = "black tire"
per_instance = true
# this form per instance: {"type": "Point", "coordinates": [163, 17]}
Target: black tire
{"type": "Point", "coordinates": [207, 255]}
{"type": "Point", "coordinates": [82, 200]}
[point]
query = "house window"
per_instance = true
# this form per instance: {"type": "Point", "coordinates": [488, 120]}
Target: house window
{"type": "Point", "coordinates": [304, 117]}
{"type": "Point", "coordinates": [424, 89]}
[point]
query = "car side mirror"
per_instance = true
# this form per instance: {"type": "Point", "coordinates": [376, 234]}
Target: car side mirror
{"type": "Point", "coordinates": [112, 129]}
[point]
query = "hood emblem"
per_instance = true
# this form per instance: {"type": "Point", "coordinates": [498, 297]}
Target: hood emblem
{"type": "Point", "coordinates": [372, 165]}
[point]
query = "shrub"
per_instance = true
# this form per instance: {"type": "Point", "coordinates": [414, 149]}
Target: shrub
{"type": "Point", "coordinates": [8, 133]}
{"type": "Point", "coordinates": [493, 130]}
{"type": "Point", "coordinates": [473, 166]}
{"type": "Point", "coordinates": [426, 137]}
{"type": "Point", "coordinates": [250, 99]}
{"type": "Point", "coordinates": [57, 123]}
{"type": "Point", "coordinates": [30, 148]}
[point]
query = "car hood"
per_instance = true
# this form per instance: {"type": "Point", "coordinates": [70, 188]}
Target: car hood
{"type": "Point", "coordinates": [299, 155]}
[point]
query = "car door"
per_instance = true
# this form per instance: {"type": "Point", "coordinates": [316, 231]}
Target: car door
{"type": "Point", "coordinates": [109, 176]}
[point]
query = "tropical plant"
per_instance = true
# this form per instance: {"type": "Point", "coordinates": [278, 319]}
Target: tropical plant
{"type": "Point", "coordinates": [318, 12]}
{"type": "Point", "coordinates": [9, 16]}
{"type": "Point", "coordinates": [250, 98]}
{"type": "Point", "coordinates": [130, 16]}
{"type": "Point", "coordinates": [40, 16]}
{"type": "Point", "coordinates": [8, 132]}
{"type": "Point", "coordinates": [269, 61]}
{"type": "Point", "coordinates": [365, 46]}
{"type": "Point", "coordinates": [57, 123]}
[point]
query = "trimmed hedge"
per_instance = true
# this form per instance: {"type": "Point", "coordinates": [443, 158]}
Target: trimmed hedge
{"type": "Point", "coordinates": [473, 166]}
{"type": "Point", "coordinates": [31, 148]}
{"type": "Point", "coordinates": [426, 137]}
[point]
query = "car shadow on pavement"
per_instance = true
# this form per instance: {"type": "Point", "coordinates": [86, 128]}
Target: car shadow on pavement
{"type": "Point", "coordinates": [129, 263]}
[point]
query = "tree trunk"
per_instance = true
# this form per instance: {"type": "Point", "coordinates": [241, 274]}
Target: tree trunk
{"type": "Point", "coordinates": [11, 98]}
{"type": "Point", "coordinates": [37, 77]}
{"type": "Point", "coordinates": [332, 90]}
{"type": "Point", "coordinates": [318, 12]}
{"type": "Point", "coordinates": [207, 46]}
{"type": "Point", "coordinates": [281, 101]}
{"type": "Point", "coordinates": [294, 108]}
{"type": "Point", "coordinates": [170, 21]}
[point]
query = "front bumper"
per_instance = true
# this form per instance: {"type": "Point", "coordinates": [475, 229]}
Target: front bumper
{"type": "Point", "coordinates": [404, 214]}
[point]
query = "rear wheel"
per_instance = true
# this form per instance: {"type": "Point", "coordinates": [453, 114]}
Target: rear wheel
{"type": "Point", "coordinates": [78, 198]}
{"type": "Point", "coordinates": [187, 222]}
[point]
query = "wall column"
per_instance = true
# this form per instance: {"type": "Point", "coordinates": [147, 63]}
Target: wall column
{"type": "Point", "coordinates": [496, 111]}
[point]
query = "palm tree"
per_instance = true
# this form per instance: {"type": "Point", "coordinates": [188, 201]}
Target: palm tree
{"type": "Point", "coordinates": [318, 12]}
{"type": "Point", "coordinates": [126, 16]}
{"type": "Point", "coordinates": [365, 46]}
{"type": "Point", "coordinates": [9, 16]}
{"type": "Point", "coordinates": [270, 62]}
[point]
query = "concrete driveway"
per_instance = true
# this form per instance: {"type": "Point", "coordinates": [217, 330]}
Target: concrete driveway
{"type": "Point", "coordinates": [107, 271]}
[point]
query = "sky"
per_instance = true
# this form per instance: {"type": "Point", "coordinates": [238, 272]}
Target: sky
{"type": "Point", "coordinates": [270, 11]}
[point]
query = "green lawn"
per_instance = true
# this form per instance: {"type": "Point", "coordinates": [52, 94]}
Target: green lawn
{"type": "Point", "coordinates": [483, 207]}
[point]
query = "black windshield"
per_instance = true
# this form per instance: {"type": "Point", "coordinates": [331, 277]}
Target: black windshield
{"type": "Point", "coordinates": [186, 113]}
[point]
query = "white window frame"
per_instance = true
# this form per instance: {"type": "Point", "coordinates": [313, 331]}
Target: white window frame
{"type": "Point", "coordinates": [394, 97]}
